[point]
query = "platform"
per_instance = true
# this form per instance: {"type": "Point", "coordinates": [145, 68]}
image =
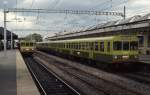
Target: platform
{"type": "Point", "coordinates": [15, 78]}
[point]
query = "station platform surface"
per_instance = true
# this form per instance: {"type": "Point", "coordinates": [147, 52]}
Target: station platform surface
{"type": "Point", "coordinates": [15, 78]}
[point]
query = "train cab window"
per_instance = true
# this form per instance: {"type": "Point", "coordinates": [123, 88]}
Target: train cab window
{"type": "Point", "coordinates": [117, 45]}
{"type": "Point", "coordinates": [101, 46]}
{"type": "Point", "coordinates": [27, 44]}
{"type": "Point", "coordinates": [125, 45]}
{"type": "Point", "coordinates": [133, 45]}
{"type": "Point", "coordinates": [96, 46]}
{"type": "Point", "coordinates": [23, 44]}
{"type": "Point", "coordinates": [31, 44]}
{"type": "Point", "coordinates": [108, 47]}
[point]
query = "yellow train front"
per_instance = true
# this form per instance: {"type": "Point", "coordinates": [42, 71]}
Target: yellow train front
{"type": "Point", "coordinates": [27, 47]}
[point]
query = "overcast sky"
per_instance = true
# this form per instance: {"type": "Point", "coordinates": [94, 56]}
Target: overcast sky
{"type": "Point", "coordinates": [69, 22]}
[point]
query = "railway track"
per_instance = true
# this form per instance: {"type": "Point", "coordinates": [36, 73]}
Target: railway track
{"type": "Point", "coordinates": [48, 82]}
{"type": "Point", "coordinates": [125, 82]}
{"type": "Point", "coordinates": [100, 85]}
{"type": "Point", "coordinates": [142, 76]}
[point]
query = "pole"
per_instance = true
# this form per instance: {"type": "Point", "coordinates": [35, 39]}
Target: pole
{"type": "Point", "coordinates": [124, 12]}
{"type": "Point", "coordinates": [11, 40]}
{"type": "Point", "coordinates": [5, 34]}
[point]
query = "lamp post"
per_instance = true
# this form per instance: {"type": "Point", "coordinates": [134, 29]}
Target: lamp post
{"type": "Point", "coordinates": [5, 30]}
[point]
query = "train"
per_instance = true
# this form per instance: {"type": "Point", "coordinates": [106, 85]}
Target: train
{"type": "Point", "coordinates": [120, 49]}
{"type": "Point", "coordinates": [27, 47]}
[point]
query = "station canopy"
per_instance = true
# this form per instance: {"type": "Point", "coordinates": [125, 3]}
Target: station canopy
{"type": "Point", "coordinates": [126, 21]}
{"type": "Point", "coordinates": [133, 19]}
{"type": "Point", "coordinates": [8, 34]}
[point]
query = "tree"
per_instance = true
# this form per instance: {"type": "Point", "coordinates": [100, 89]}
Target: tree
{"type": "Point", "coordinates": [34, 37]}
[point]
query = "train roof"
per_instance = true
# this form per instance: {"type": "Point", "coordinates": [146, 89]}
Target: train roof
{"type": "Point", "coordinates": [27, 41]}
{"type": "Point", "coordinates": [92, 39]}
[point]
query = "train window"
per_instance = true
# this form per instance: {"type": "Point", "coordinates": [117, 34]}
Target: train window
{"type": "Point", "coordinates": [86, 45]}
{"type": "Point", "coordinates": [83, 45]}
{"type": "Point", "coordinates": [101, 46]}
{"type": "Point", "coordinates": [125, 45]}
{"type": "Point", "coordinates": [141, 41]}
{"type": "Point", "coordinates": [73, 46]}
{"type": "Point", "coordinates": [134, 45]}
{"type": "Point", "coordinates": [108, 46]}
{"type": "Point", "coordinates": [27, 44]}
{"type": "Point", "coordinates": [91, 45]}
{"type": "Point", "coordinates": [96, 46]}
{"type": "Point", "coordinates": [70, 45]}
{"type": "Point", "coordinates": [23, 44]}
{"type": "Point", "coordinates": [117, 45]}
{"type": "Point", "coordinates": [67, 45]}
{"type": "Point", "coordinates": [79, 45]}
{"type": "Point", "coordinates": [31, 44]}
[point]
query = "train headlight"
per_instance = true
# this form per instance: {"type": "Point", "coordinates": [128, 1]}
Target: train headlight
{"type": "Point", "coordinates": [115, 56]}
{"type": "Point", "coordinates": [78, 53]}
{"type": "Point", "coordinates": [125, 56]}
{"type": "Point", "coordinates": [135, 56]}
{"type": "Point", "coordinates": [27, 49]}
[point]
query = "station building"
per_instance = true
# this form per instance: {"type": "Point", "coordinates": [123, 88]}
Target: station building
{"type": "Point", "coordinates": [8, 37]}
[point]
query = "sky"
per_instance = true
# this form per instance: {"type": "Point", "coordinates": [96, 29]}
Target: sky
{"type": "Point", "coordinates": [49, 23]}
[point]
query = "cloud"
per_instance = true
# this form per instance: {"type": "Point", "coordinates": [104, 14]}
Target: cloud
{"type": "Point", "coordinates": [68, 22]}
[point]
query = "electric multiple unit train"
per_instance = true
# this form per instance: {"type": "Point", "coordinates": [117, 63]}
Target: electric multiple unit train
{"type": "Point", "coordinates": [27, 46]}
{"type": "Point", "coordinates": [112, 49]}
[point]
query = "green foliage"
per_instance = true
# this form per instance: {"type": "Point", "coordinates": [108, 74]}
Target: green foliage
{"type": "Point", "coordinates": [33, 37]}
